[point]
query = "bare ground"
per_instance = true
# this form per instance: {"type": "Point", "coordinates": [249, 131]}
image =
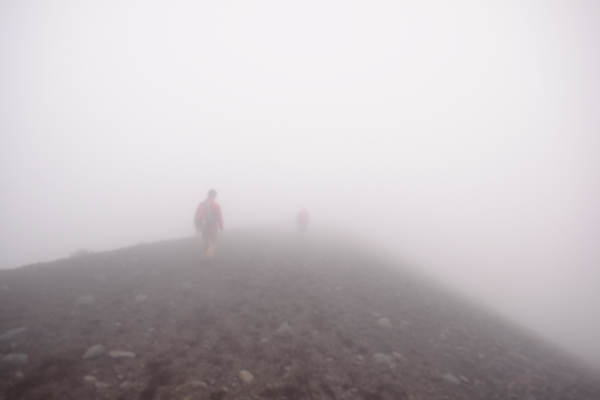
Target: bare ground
{"type": "Point", "coordinates": [308, 320]}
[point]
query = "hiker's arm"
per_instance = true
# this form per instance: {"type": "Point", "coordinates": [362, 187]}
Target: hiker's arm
{"type": "Point", "coordinates": [220, 218]}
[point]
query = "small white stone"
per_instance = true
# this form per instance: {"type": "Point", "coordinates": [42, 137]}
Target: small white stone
{"type": "Point", "coordinates": [140, 298]}
{"type": "Point", "coordinates": [121, 354]}
{"type": "Point", "coordinates": [381, 358]}
{"type": "Point", "coordinates": [12, 333]}
{"type": "Point", "coordinates": [246, 377]}
{"type": "Point", "coordinates": [284, 329]}
{"type": "Point", "coordinates": [450, 379]}
{"type": "Point", "coordinates": [101, 385]}
{"type": "Point", "coordinates": [85, 300]}
{"type": "Point", "coordinates": [384, 323]}
{"type": "Point", "coordinates": [94, 352]}
{"type": "Point", "coordinates": [15, 359]}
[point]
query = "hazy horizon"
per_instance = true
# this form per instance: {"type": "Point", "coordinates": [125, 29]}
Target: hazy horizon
{"type": "Point", "coordinates": [462, 137]}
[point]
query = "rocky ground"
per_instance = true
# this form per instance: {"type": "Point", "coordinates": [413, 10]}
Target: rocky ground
{"type": "Point", "coordinates": [270, 318]}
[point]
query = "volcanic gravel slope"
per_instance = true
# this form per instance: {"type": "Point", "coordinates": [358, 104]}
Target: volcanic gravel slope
{"type": "Point", "coordinates": [306, 319]}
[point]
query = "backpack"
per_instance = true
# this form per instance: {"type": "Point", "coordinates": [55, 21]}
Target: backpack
{"type": "Point", "coordinates": [209, 215]}
{"type": "Point", "coordinates": [207, 219]}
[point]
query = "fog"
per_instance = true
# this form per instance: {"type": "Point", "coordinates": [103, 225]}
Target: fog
{"type": "Point", "coordinates": [462, 137]}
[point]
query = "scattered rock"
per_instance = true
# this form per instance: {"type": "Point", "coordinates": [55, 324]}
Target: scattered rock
{"type": "Point", "coordinates": [101, 385]}
{"type": "Point", "coordinates": [94, 352]}
{"type": "Point", "coordinates": [121, 354]}
{"type": "Point", "coordinates": [140, 298]}
{"type": "Point", "coordinates": [197, 383]}
{"type": "Point", "coordinates": [15, 359]}
{"type": "Point", "coordinates": [12, 333]}
{"type": "Point", "coordinates": [380, 358]}
{"type": "Point", "coordinates": [90, 379]}
{"type": "Point", "coordinates": [284, 329]}
{"type": "Point", "coordinates": [246, 377]}
{"type": "Point", "coordinates": [450, 379]}
{"type": "Point", "coordinates": [85, 300]}
{"type": "Point", "coordinates": [384, 323]}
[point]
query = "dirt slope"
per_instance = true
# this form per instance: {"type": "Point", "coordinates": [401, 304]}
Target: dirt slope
{"type": "Point", "coordinates": [309, 320]}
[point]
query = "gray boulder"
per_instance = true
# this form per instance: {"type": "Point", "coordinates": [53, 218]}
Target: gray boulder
{"type": "Point", "coordinates": [85, 300]}
{"type": "Point", "coordinates": [94, 352]}
{"type": "Point", "coordinates": [12, 333]}
{"type": "Point", "coordinates": [15, 359]}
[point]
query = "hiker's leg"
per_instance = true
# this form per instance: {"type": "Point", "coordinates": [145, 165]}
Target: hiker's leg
{"type": "Point", "coordinates": [205, 243]}
{"type": "Point", "coordinates": [212, 247]}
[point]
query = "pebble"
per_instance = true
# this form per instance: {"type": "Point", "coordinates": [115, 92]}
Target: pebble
{"type": "Point", "coordinates": [121, 354]}
{"type": "Point", "coordinates": [140, 298]}
{"type": "Point", "coordinates": [450, 379]}
{"type": "Point", "coordinates": [246, 377]}
{"type": "Point", "coordinates": [15, 359]}
{"type": "Point", "coordinates": [101, 385]}
{"type": "Point", "coordinates": [197, 383]}
{"type": "Point", "coordinates": [284, 329]}
{"type": "Point", "coordinates": [19, 375]}
{"type": "Point", "coordinates": [12, 333]}
{"type": "Point", "coordinates": [94, 352]}
{"type": "Point", "coordinates": [90, 379]}
{"type": "Point", "coordinates": [85, 300]}
{"type": "Point", "coordinates": [384, 323]}
{"type": "Point", "coordinates": [380, 358]}
{"type": "Point", "coordinates": [125, 385]}
{"type": "Point", "coordinates": [397, 355]}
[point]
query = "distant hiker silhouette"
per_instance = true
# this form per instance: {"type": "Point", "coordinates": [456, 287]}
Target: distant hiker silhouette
{"type": "Point", "coordinates": [209, 220]}
{"type": "Point", "coordinates": [302, 221]}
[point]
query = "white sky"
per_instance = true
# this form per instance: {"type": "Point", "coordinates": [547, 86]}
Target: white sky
{"type": "Point", "coordinates": [463, 135]}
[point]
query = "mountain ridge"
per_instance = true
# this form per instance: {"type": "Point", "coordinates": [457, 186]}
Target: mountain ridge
{"type": "Point", "coordinates": [274, 316]}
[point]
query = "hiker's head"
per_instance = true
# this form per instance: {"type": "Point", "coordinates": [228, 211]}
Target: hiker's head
{"type": "Point", "coordinates": [212, 193]}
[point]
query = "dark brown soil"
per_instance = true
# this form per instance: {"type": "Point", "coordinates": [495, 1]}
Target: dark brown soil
{"type": "Point", "coordinates": [201, 324]}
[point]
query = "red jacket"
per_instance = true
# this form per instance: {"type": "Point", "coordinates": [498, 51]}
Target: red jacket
{"type": "Point", "coordinates": [302, 218]}
{"type": "Point", "coordinates": [215, 210]}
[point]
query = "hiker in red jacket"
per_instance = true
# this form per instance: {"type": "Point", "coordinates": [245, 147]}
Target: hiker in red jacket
{"type": "Point", "coordinates": [209, 220]}
{"type": "Point", "coordinates": [302, 221]}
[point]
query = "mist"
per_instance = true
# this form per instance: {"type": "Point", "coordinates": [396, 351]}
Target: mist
{"type": "Point", "coordinates": [461, 137]}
